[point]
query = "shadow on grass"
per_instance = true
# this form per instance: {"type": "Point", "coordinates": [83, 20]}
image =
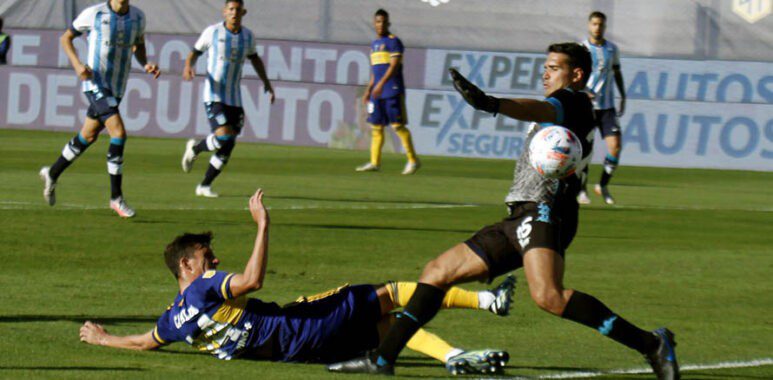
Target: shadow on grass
{"type": "Point", "coordinates": [69, 368]}
{"type": "Point", "coordinates": [77, 318]}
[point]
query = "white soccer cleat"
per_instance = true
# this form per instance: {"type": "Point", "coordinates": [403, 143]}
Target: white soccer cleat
{"type": "Point", "coordinates": [368, 167]}
{"type": "Point", "coordinates": [49, 186]}
{"type": "Point", "coordinates": [411, 167]}
{"type": "Point", "coordinates": [206, 192]}
{"type": "Point", "coordinates": [503, 296]}
{"type": "Point", "coordinates": [480, 361]}
{"type": "Point", "coordinates": [582, 198]}
{"type": "Point", "coordinates": [189, 156]}
{"type": "Point", "coordinates": [604, 193]}
{"type": "Point", "coordinates": [122, 208]}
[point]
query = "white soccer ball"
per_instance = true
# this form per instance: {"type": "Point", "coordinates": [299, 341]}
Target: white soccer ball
{"type": "Point", "coordinates": [555, 152]}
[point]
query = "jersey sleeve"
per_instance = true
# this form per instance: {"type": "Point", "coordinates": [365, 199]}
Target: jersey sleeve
{"type": "Point", "coordinates": [204, 41]}
{"type": "Point", "coordinates": [163, 333]}
{"type": "Point", "coordinates": [565, 103]}
{"type": "Point", "coordinates": [84, 21]}
{"type": "Point", "coordinates": [141, 31]}
{"type": "Point", "coordinates": [215, 285]}
{"type": "Point", "coordinates": [395, 47]}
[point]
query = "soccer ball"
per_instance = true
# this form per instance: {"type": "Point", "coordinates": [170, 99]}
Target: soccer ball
{"type": "Point", "coordinates": [555, 152]}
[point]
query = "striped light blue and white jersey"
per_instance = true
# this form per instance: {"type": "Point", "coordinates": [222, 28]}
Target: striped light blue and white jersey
{"type": "Point", "coordinates": [111, 37]}
{"type": "Point", "coordinates": [602, 80]}
{"type": "Point", "coordinates": [226, 53]}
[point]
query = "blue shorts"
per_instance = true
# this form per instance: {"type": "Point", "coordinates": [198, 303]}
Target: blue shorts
{"type": "Point", "coordinates": [607, 122]}
{"type": "Point", "coordinates": [220, 114]}
{"type": "Point", "coordinates": [387, 111]}
{"type": "Point", "coordinates": [338, 325]}
{"type": "Point", "coordinates": [102, 104]}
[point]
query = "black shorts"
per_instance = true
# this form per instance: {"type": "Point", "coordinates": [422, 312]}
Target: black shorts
{"type": "Point", "coordinates": [607, 122]}
{"type": "Point", "coordinates": [220, 114]}
{"type": "Point", "coordinates": [530, 225]}
{"type": "Point", "coordinates": [102, 104]}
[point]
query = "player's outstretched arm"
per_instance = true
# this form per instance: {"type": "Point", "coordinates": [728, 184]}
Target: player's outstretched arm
{"type": "Point", "coordinates": [522, 109]}
{"type": "Point", "coordinates": [257, 64]}
{"type": "Point", "coordinates": [255, 270]}
{"type": "Point", "coordinates": [95, 334]}
{"type": "Point", "coordinates": [142, 57]}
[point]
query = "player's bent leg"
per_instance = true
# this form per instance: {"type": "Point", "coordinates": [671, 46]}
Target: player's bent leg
{"type": "Point", "coordinates": [71, 151]}
{"type": "Point", "coordinates": [497, 300]}
{"type": "Point", "coordinates": [115, 128]}
{"type": "Point", "coordinates": [226, 139]}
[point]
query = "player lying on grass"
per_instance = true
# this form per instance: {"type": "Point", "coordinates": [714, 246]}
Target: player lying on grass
{"type": "Point", "coordinates": [213, 314]}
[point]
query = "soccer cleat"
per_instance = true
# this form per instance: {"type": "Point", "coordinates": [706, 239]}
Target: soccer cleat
{"type": "Point", "coordinates": [189, 156]}
{"type": "Point", "coordinates": [49, 186]}
{"type": "Point", "coordinates": [481, 361]}
{"type": "Point", "coordinates": [411, 167]}
{"type": "Point", "coordinates": [503, 296]}
{"type": "Point", "coordinates": [121, 208]}
{"type": "Point", "coordinates": [368, 167]}
{"type": "Point", "coordinates": [206, 192]}
{"type": "Point", "coordinates": [582, 198]}
{"type": "Point", "coordinates": [663, 359]}
{"type": "Point", "coordinates": [604, 193]}
{"type": "Point", "coordinates": [361, 365]}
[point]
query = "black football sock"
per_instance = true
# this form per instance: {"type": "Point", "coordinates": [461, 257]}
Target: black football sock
{"type": "Point", "coordinates": [586, 309]}
{"type": "Point", "coordinates": [212, 173]}
{"type": "Point", "coordinates": [74, 148]}
{"type": "Point", "coordinates": [207, 144]}
{"type": "Point", "coordinates": [219, 159]}
{"type": "Point", "coordinates": [115, 166]}
{"type": "Point", "coordinates": [421, 308]}
{"type": "Point", "coordinates": [610, 164]}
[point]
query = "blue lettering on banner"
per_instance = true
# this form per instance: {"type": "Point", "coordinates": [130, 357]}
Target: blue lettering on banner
{"type": "Point", "coordinates": [764, 90]}
{"type": "Point", "coordinates": [768, 135]}
{"type": "Point", "coordinates": [636, 133]}
{"type": "Point", "coordinates": [703, 135]}
{"type": "Point", "coordinates": [746, 88]}
{"type": "Point", "coordinates": [485, 145]}
{"type": "Point", "coordinates": [476, 76]}
{"type": "Point", "coordinates": [660, 132]}
{"type": "Point", "coordinates": [727, 132]}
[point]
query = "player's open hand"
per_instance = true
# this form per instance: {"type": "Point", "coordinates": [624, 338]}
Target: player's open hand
{"type": "Point", "coordinates": [473, 95]}
{"type": "Point", "coordinates": [258, 210]}
{"type": "Point", "coordinates": [152, 68]}
{"type": "Point", "coordinates": [92, 333]}
{"type": "Point", "coordinates": [188, 73]}
{"type": "Point", "coordinates": [84, 72]}
{"type": "Point", "coordinates": [270, 91]}
{"type": "Point", "coordinates": [376, 93]}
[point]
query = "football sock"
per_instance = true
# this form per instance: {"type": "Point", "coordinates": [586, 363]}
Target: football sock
{"type": "Point", "coordinates": [432, 345]}
{"type": "Point", "coordinates": [70, 152]}
{"type": "Point", "coordinates": [207, 144]}
{"type": "Point", "coordinates": [589, 311]}
{"type": "Point", "coordinates": [458, 298]}
{"type": "Point", "coordinates": [219, 159]}
{"type": "Point", "coordinates": [610, 164]}
{"type": "Point", "coordinates": [115, 165]}
{"type": "Point", "coordinates": [405, 138]}
{"type": "Point", "coordinates": [376, 143]}
{"type": "Point", "coordinates": [422, 307]}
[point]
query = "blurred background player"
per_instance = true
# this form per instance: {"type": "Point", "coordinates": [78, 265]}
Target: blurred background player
{"type": "Point", "coordinates": [606, 67]}
{"type": "Point", "coordinates": [212, 313]}
{"type": "Point", "coordinates": [115, 30]}
{"type": "Point", "coordinates": [228, 44]}
{"type": "Point", "coordinates": [5, 44]}
{"type": "Point", "coordinates": [385, 95]}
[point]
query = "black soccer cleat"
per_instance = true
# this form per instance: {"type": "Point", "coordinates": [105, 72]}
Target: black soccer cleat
{"type": "Point", "coordinates": [362, 365]}
{"type": "Point", "coordinates": [663, 359]}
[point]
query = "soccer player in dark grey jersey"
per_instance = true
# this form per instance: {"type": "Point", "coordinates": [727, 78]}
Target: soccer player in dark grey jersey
{"type": "Point", "coordinates": [542, 223]}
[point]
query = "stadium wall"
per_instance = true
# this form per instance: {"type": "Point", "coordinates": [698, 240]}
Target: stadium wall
{"type": "Point", "coordinates": [681, 113]}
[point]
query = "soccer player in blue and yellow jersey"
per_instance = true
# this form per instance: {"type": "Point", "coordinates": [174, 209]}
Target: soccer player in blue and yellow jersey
{"type": "Point", "coordinates": [115, 31]}
{"type": "Point", "coordinates": [5, 43]}
{"type": "Point", "coordinates": [606, 69]}
{"type": "Point", "coordinates": [228, 45]}
{"type": "Point", "coordinates": [385, 95]}
{"type": "Point", "coordinates": [212, 313]}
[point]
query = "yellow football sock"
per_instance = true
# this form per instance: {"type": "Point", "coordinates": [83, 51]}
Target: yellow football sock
{"type": "Point", "coordinates": [401, 292]}
{"type": "Point", "coordinates": [405, 137]}
{"type": "Point", "coordinates": [430, 344]}
{"type": "Point", "coordinates": [376, 143]}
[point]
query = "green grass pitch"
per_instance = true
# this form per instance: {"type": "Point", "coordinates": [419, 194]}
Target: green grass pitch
{"type": "Point", "coordinates": [688, 249]}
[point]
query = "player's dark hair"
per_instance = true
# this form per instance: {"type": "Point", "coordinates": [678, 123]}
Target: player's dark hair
{"type": "Point", "coordinates": [579, 57]}
{"type": "Point", "coordinates": [597, 14]}
{"type": "Point", "coordinates": [184, 246]}
{"type": "Point", "coordinates": [241, 2]}
{"type": "Point", "coordinates": [381, 12]}
{"type": "Point", "coordinates": [1, 23]}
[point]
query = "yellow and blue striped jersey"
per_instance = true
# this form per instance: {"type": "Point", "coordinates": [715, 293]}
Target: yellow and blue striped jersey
{"type": "Point", "coordinates": [382, 50]}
